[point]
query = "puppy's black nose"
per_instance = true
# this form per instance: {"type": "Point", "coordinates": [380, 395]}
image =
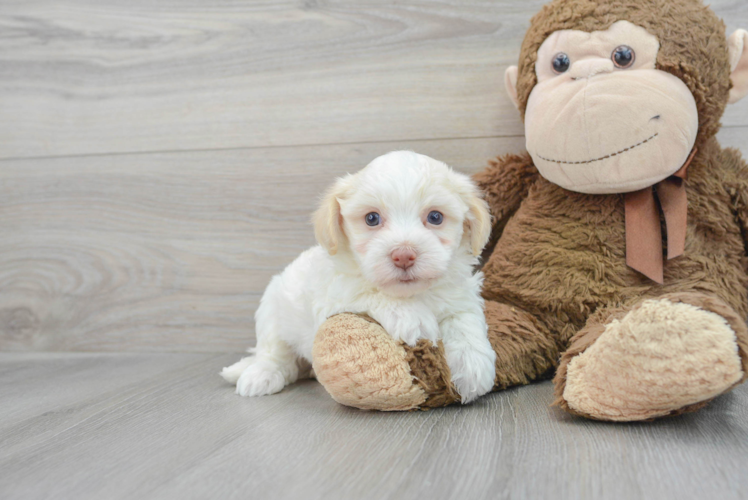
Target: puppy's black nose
{"type": "Point", "coordinates": [403, 258]}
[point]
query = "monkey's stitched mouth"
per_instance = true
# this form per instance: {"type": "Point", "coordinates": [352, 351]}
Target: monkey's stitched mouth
{"type": "Point", "coordinates": [602, 157]}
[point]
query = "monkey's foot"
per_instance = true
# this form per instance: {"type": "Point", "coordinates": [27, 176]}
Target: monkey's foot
{"type": "Point", "coordinates": [361, 365]}
{"type": "Point", "coordinates": [664, 357]}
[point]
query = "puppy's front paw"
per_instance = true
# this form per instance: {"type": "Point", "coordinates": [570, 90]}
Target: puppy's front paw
{"type": "Point", "coordinates": [473, 371]}
{"type": "Point", "coordinates": [418, 328]}
{"type": "Point", "coordinates": [260, 379]}
{"type": "Point", "coordinates": [410, 326]}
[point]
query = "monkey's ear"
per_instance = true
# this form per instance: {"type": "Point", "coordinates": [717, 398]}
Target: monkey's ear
{"type": "Point", "coordinates": [510, 81]}
{"type": "Point", "coordinates": [737, 47]}
{"type": "Point", "coordinates": [328, 220]}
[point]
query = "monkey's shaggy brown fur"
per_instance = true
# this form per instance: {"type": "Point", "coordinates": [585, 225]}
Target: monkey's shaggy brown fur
{"type": "Point", "coordinates": [555, 269]}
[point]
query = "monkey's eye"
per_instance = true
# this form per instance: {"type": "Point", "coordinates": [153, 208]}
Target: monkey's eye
{"type": "Point", "coordinates": [435, 218]}
{"type": "Point", "coordinates": [623, 56]}
{"type": "Point", "coordinates": [561, 63]}
{"type": "Point", "coordinates": [372, 219]}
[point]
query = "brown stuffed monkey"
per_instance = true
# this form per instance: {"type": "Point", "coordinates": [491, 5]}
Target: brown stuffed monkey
{"type": "Point", "coordinates": [618, 254]}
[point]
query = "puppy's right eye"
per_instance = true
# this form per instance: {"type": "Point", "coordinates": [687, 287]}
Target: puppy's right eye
{"type": "Point", "coordinates": [372, 219]}
{"type": "Point", "coordinates": [435, 217]}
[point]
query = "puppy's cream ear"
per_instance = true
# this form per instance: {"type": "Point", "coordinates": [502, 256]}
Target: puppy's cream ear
{"type": "Point", "coordinates": [478, 219]}
{"type": "Point", "coordinates": [328, 221]}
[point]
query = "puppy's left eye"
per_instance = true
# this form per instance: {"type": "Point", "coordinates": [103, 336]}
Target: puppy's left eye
{"type": "Point", "coordinates": [372, 219]}
{"type": "Point", "coordinates": [435, 218]}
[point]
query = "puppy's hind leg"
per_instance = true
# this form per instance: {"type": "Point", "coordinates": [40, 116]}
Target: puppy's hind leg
{"type": "Point", "coordinates": [232, 373]}
{"type": "Point", "coordinates": [274, 364]}
{"type": "Point", "coordinates": [272, 368]}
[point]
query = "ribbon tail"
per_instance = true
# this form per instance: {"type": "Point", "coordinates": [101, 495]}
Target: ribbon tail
{"type": "Point", "coordinates": [644, 234]}
{"type": "Point", "coordinates": [674, 203]}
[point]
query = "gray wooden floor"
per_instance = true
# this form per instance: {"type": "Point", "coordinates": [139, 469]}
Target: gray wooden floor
{"type": "Point", "coordinates": [158, 164]}
{"type": "Point", "coordinates": [165, 426]}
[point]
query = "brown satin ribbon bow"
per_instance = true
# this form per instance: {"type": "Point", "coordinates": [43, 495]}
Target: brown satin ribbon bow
{"type": "Point", "coordinates": [643, 231]}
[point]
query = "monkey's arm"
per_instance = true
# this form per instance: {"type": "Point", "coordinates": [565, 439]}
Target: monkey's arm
{"type": "Point", "coordinates": [505, 182]}
{"type": "Point", "coordinates": [736, 183]}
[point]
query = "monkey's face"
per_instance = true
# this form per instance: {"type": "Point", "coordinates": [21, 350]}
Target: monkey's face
{"type": "Point", "coordinates": [602, 118]}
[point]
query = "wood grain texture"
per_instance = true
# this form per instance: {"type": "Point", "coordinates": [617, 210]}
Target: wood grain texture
{"type": "Point", "coordinates": [166, 426]}
{"type": "Point", "coordinates": [90, 76]}
{"type": "Point", "coordinates": [166, 252]}
{"type": "Point", "coordinates": [170, 252]}
{"type": "Point", "coordinates": [114, 248]}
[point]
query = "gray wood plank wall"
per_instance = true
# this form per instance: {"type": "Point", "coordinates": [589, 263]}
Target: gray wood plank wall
{"type": "Point", "coordinates": [159, 160]}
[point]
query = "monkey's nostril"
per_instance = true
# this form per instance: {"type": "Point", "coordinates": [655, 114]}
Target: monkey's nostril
{"type": "Point", "coordinates": [655, 117]}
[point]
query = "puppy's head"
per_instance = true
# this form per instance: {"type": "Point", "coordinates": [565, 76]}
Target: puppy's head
{"type": "Point", "coordinates": [405, 219]}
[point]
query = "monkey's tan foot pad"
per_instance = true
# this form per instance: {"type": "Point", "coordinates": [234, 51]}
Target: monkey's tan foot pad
{"type": "Point", "coordinates": [361, 365]}
{"type": "Point", "coordinates": [661, 358]}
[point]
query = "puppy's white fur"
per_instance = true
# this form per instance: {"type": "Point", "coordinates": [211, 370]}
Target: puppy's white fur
{"type": "Point", "coordinates": [352, 270]}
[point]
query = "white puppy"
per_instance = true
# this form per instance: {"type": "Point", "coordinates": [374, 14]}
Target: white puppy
{"type": "Point", "coordinates": [398, 241]}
